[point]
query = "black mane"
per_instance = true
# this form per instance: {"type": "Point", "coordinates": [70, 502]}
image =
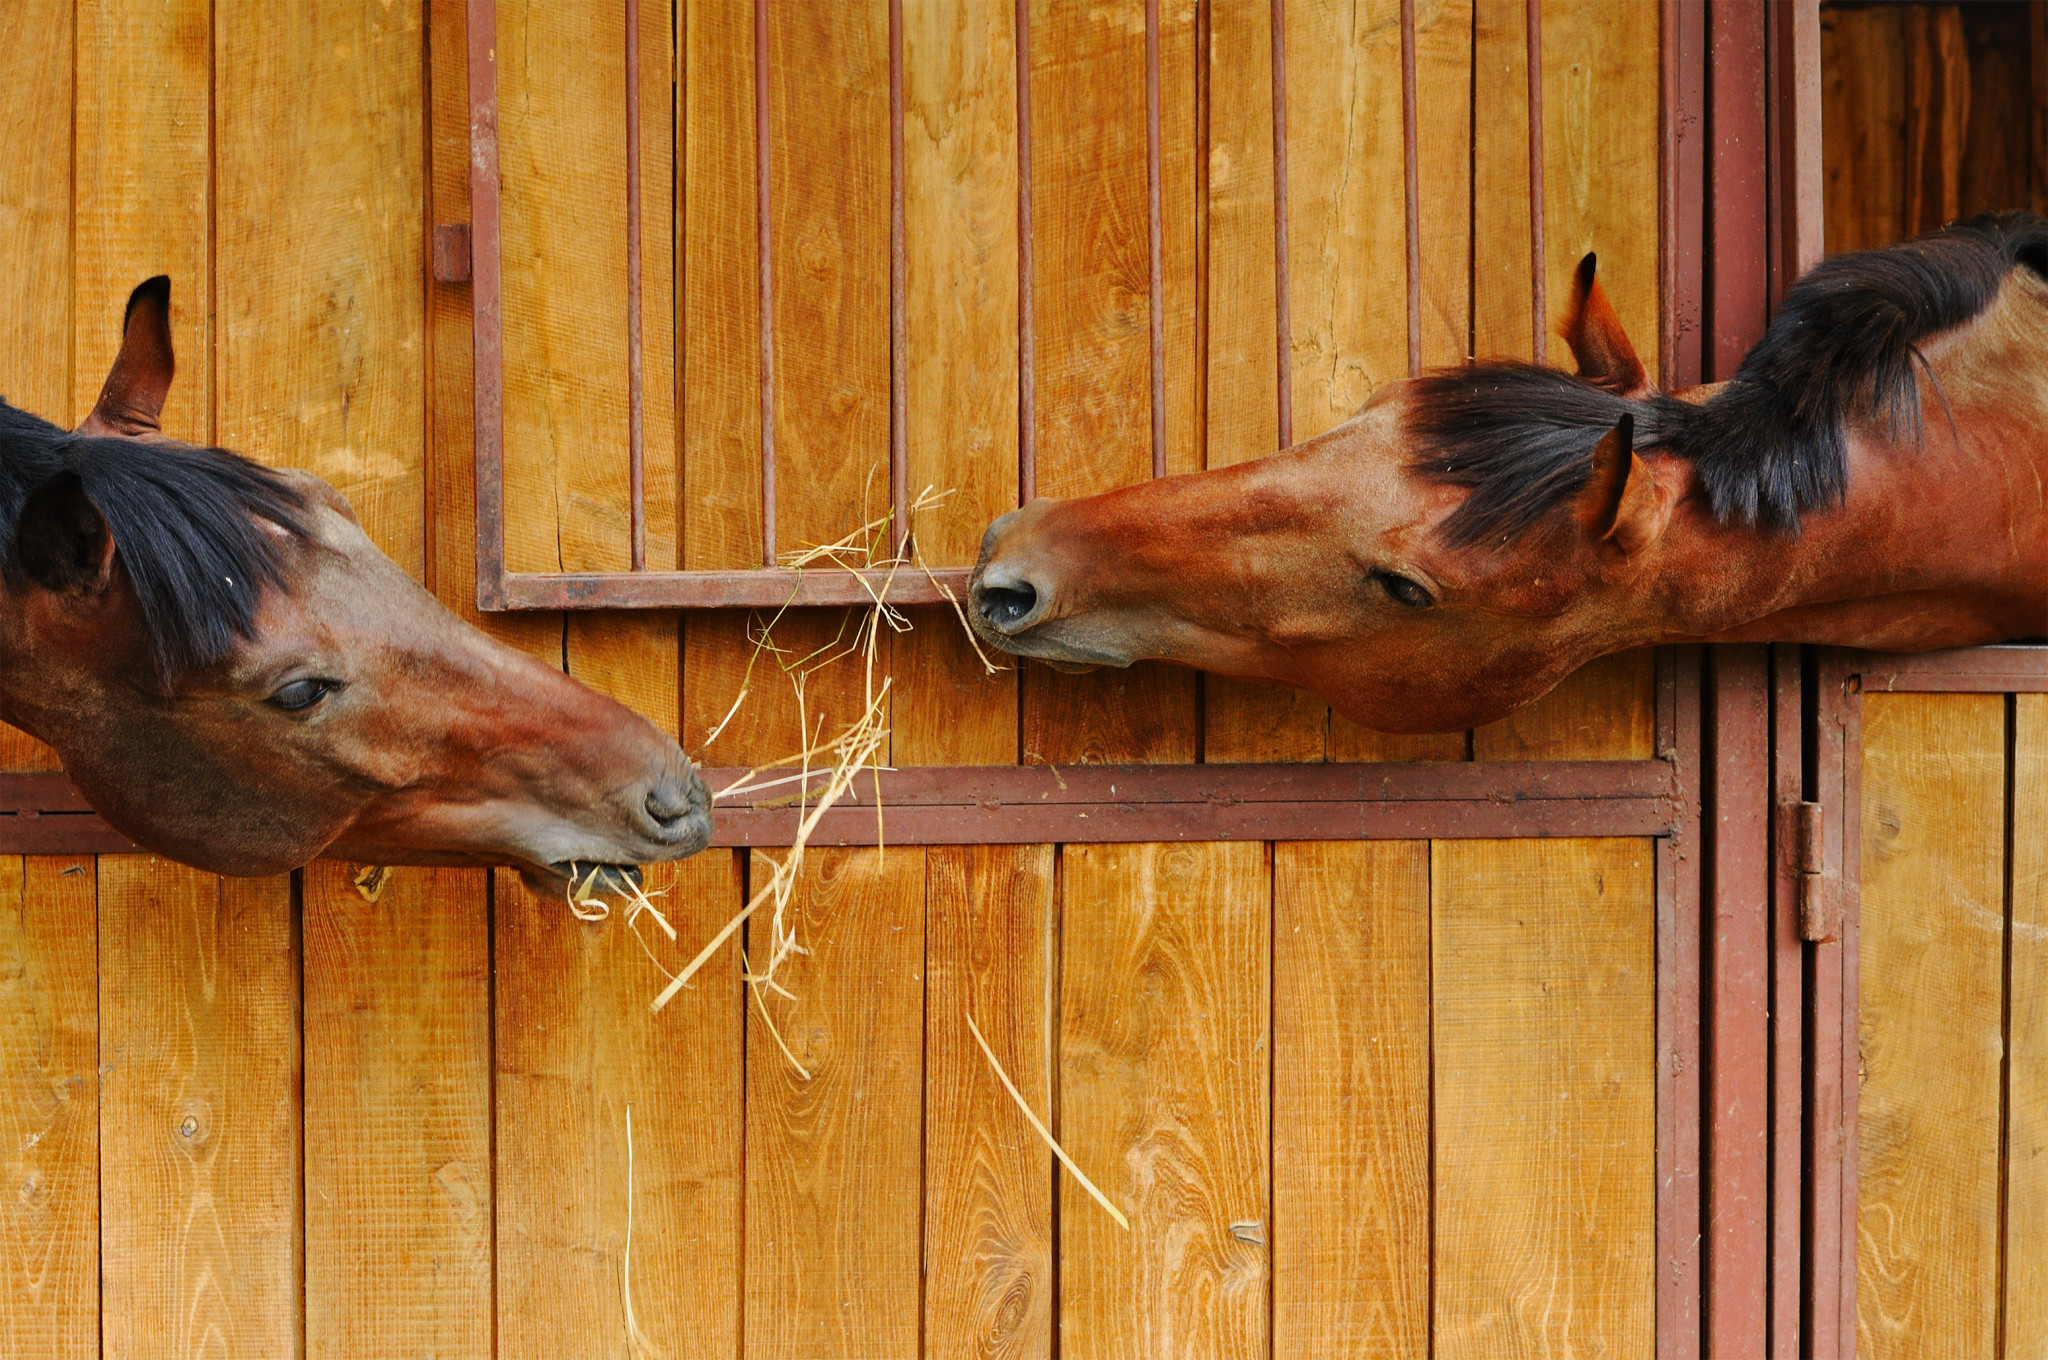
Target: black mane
{"type": "Point", "coordinates": [184, 525]}
{"type": "Point", "coordinates": [1768, 448]}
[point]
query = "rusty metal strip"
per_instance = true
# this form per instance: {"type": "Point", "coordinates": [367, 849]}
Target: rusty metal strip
{"type": "Point", "coordinates": [1969, 670]}
{"type": "Point", "coordinates": [1538, 303]}
{"type": "Point", "coordinates": [1411, 187]}
{"type": "Point", "coordinates": [1679, 1088]}
{"type": "Point", "coordinates": [1683, 219]}
{"type": "Point", "coordinates": [1739, 198]}
{"type": "Point", "coordinates": [487, 305]}
{"type": "Point", "coordinates": [636, 385]}
{"type": "Point", "coordinates": [1156, 232]}
{"type": "Point", "coordinates": [1738, 1010]}
{"type": "Point", "coordinates": [1788, 1029]}
{"type": "Point", "coordinates": [1283, 337]}
{"type": "Point", "coordinates": [1027, 337]}
{"type": "Point", "coordinates": [1831, 1044]}
{"type": "Point", "coordinates": [1792, 32]}
{"type": "Point", "coordinates": [899, 321]}
{"type": "Point", "coordinates": [763, 242]}
{"type": "Point", "coordinates": [726, 589]}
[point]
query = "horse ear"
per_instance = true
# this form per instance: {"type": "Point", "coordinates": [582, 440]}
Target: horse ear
{"type": "Point", "coordinates": [1606, 358]}
{"type": "Point", "coordinates": [1621, 509]}
{"type": "Point", "coordinates": [62, 542]}
{"type": "Point", "coordinates": [133, 397]}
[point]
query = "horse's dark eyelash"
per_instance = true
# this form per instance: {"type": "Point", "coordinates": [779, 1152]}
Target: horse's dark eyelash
{"type": "Point", "coordinates": [1401, 590]}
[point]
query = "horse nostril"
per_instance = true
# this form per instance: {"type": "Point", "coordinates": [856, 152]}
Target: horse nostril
{"type": "Point", "coordinates": [669, 801]}
{"type": "Point", "coordinates": [1007, 606]}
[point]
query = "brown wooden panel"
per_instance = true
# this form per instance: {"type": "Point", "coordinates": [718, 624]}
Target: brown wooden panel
{"type": "Point", "coordinates": [1933, 925]}
{"type": "Point", "coordinates": [1164, 1099]}
{"type": "Point", "coordinates": [49, 1056]}
{"type": "Point", "coordinates": [1607, 710]}
{"type": "Point", "coordinates": [828, 149]}
{"type": "Point", "coordinates": [988, 1235]}
{"type": "Point", "coordinates": [451, 457]}
{"type": "Point", "coordinates": [320, 253]}
{"type": "Point", "coordinates": [1863, 124]}
{"type": "Point", "coordinates": [200, 1247]}
{"type": "Point", "coordinates": [1443, 153]}
{"type": "Point", "coordinates": [833, 1159]}
{"type": "Point", "coordinates": [144, 168]}
{"type": "Point", "coordinates": [1545, 1042]}
{"type": "Point", "coordinates": [1351, 1099]}
{"type": "Point", "coordinates": [36, 55]}
{"type": "Point", "coordinates": [2025, 1303]}
{"type": "Point", "coordinates": [960, 236]}
{"type": "Point", "coordinates": [576, 1048]}
{"type": "Point", "coordinates": [1092, 301]}
{"type": "Point", "coordinates": [398, 1174]}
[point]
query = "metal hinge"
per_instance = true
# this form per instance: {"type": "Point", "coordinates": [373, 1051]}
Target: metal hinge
{"type": "Point", "coordinates": [1823, 896]}
{"type": "Point", "coordinates": [451, 252]}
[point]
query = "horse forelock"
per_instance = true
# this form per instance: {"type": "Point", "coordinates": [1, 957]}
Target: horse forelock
{"type": "Point", "coordinates": [1767, 449]}
{"type": "Point", "coordinates": [185, 525]}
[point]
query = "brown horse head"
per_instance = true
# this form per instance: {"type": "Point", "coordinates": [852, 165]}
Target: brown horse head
{"type": "Point", "coordinates": [236, 677]}
{"type": "Point", "coordinates": [1473, 535]}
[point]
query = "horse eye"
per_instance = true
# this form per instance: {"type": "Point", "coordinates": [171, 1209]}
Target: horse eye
{"type": "Point", "coordinates": [300, 694]}
{"type": "Point", "coordinates": [1402, 591]}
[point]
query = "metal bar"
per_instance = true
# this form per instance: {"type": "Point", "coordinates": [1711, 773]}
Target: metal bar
{"type": "Point", "coordinates": [1967, 670]}
{"type": "Point", "coordinates": [1283, 339]}
{"type": "Point", "coordinates": [487, 305]}
{"type": "Point", "coordinates": [1848, 866]}
{"type": "Point", "coordinates": [1788, 996]}
{"type": "Point", "coordinates": [1156, 230]}
{"type": "Point", "coordinates": [1684, 225]}
{"type": "Point", "coordinates": [764, 241]}
{"type": "Point", "coordinates": [1830, 1237]}
{"type": "Point", "coordinates": [1738, 1010]}
{"type": "Point", "coordinates": [1027, 338]}
{"type": "Point", "coordinates": [636, 390]}
{"type": "Point", "coordinates": [755, 589]}
{"type": "Point", "coordinates": [1679, 1089]}
{"type": "Point", "coordinates": [899, 321]}
{"type": "Point", "coordinates": [1738, 269]}
{"type": "Point", "coordinates": [1411, 187]}
{"type": "Point", "coordinates": [1793, 28]}
{"type": "Point", "coordinates": [1538, 303]}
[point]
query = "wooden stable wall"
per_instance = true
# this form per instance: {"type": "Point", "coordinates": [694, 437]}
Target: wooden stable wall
{"type": "Point", "coordinates": [1391, 1098]}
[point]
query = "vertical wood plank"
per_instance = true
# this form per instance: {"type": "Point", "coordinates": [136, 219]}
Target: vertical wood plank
{"type": "Point", "coordinates": [576, 1047]}
{"type": "Point", "coordinates": [1863, 125]}
{"type": "Point", "coordinates": [828, 147]}
{"type": "Point", "coordinates": [200, 1244]}
{"type": "Point", "coordinates": [1092, 300]}
{"type": "Point", "coordinates": [49, 1060]}
{"type": "Point", "coordinates": [1606, 710]}
{"type": "Point", "coordinates": [1546, 1088]}
{"type": "Point", "coordinates": [319, 253]}
{"type": "Point", "coordinates": [397, 1114]}
{"type": "Point", "coordinates": [960, 234]}
{"type": "Point", "coordinates": [988, 1237]}
{"type": "Point", "coordinates": [451, 393]}
{"type": "Point", "coordinates": [833, 1162]}
{"type": "Point", "coordinates": [1164, 1099]}
{"type": "Point", "coordinates": [36, 55]}
{"type": "Point", "coordinates": [1351, 1097]}
{"type": "Point", "coordinates": [2025, 1303]}
{"type": "Point", "coordinates": [1932, 930]}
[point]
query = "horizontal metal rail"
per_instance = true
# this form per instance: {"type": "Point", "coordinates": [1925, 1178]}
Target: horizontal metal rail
{"type": "Point", "coordinates": [1075, 804]}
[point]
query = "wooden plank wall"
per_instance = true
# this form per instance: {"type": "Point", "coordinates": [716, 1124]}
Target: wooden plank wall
{"type": "Point", "coordinates": [1952, 1200]}
{"type": "Point", "coordinates": [1370, 1098]}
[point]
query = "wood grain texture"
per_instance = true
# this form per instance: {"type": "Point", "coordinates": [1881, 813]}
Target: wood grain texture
{"type": "Point", "coordinates": [1443, 162]}
{"type": "Point", "coordinates": [144, 168]}
{"type": "Point", "coordinates": [1351, 1099]}
{"type": "Point", "coordinates": [320, 254]}
{"type": "Point", "coordinates": [1164, 1099]}
{"type": "Point", "coordinates": [1933, 926]}
{"type": "Point", "coordinates": [451, 393]}
{"type": "Point", "coordinates": [37, 56]}
{"type": "Point", "coordinates": [576, 1047]}
{"type": "Point", "coordinates": [960, 236]}
{"type": "Point", "coordinates": [200, 1213]}
{"type": "Point", "coordinates": [1092, 295]}
{"type": "Point", "coordinates": [2025, 1303]}
{"type": "Point", "coordinates": [398, 1170]}
{"type": "Point", "coordinates": [988, 1236]}
{"type": "Point", "coordinates": [1546, 1084]}
{"type": "Point", "coordinates": [49, 1056]}
{"type": "Point", "coordinates": [1607, 710]}
{"type": "Point", "coordinates": [828, 148]}
{"type": "Point", "coordinates": [1863, 125]}
{"type": "Point", "coordinates": [833, 1191]}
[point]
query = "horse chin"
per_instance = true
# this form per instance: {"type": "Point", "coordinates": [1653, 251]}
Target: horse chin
{"type": "Point", "coordinates": [578, 880]}
{"type": "Point", "coordinates": [1069, 667]}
